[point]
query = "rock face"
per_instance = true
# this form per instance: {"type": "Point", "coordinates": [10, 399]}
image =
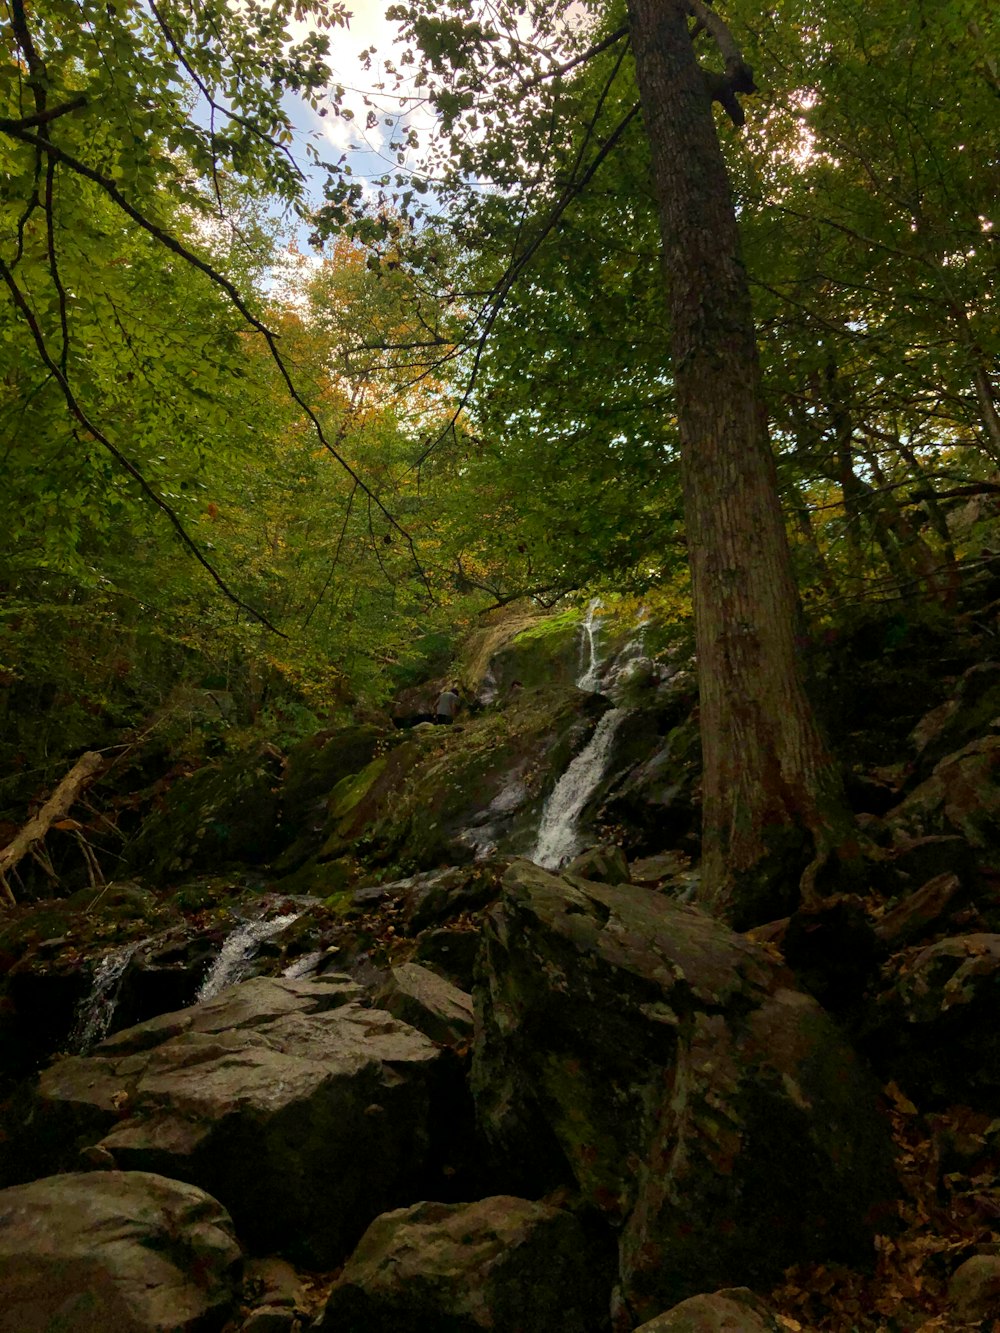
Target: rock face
{"type": "Point", "coordinates": [501, 1263]}
{"type": "Point", "coordinates": [710, 1111]}
{"type": "Point", "coordinates": [304, 1112]}
{"type": "Point", "coordinates": [220, 814]}
{"type": "Point", "coordinates": [117, 1250]}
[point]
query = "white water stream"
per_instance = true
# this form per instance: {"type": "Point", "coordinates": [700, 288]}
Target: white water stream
{"type": "Point", "coordinates": [558, 838]}
{"type": "Point", "coordinates": [238, 951]}
{"type": "Point", "coordinates": [97, 1008]}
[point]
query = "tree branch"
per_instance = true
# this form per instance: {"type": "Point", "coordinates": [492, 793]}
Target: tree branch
{"type": "Point", "coordinates": [22, 305]}
{"type": "Point", "coordinates": [170, 242]}
{"type": "Point", "coordinates": [595, 50]}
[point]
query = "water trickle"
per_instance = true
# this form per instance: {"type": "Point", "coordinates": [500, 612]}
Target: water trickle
{"type": "Point", "coordinates": [95, 1011]}
{"type": "Point", "coordinates": [590, 659]}
{"type": "Point", "coordinates": [304, 966]}
{"type": "Point", "coordinates": [238, 951]}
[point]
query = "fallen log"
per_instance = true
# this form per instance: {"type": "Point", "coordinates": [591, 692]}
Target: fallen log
{"type": "Point", "coordinates": [30, 838]}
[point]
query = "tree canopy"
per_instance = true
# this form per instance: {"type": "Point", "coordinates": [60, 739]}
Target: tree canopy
{"type": "Point", "coordinates": [466, 395]}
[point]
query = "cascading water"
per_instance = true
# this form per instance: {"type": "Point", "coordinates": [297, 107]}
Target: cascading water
{"type": "Point", "coordinates": [558, 836]}
{"type": "Point", "coordinates": [590, 659]}
{"type": "Point", "coordinates": [96, 1010]}
{"type": "Point", "coordinates": [238, 951]}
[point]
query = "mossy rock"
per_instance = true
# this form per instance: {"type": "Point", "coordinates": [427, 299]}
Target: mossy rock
{"type": "Point", "coordinates": [415, 805]}
{"type": "Point", "coordinates": [317, 765]}
{"type": "Point", "coordinates": [223, 813]}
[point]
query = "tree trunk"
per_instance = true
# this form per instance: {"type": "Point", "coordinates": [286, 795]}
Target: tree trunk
{"type": "Point", "coordinates": [773, 802]}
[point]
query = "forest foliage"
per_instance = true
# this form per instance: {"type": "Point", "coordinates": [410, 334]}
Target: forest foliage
{"type": "Point", "coordinates": [297, 476]}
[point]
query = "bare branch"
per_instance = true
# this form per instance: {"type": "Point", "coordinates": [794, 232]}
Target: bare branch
{"type": "Point", "coordinates": [595, 50]}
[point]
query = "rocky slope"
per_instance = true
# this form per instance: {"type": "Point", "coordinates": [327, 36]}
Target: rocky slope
{"type": "Point", "coordinates": [332, 1016]}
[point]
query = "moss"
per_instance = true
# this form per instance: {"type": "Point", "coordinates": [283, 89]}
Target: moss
{"type": "Point", "coordinates": [340, 903]}
{"type": "Point", "coordinates": [557, 624]}
{"type": "Point", "coordinates": [349, 792]}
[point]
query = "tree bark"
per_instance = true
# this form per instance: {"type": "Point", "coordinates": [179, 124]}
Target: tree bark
{"type": "Point", "coordinates": [773, 803]}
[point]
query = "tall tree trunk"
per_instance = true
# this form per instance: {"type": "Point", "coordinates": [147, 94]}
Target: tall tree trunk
{"type": "Point", "coordinates": [772, 797]}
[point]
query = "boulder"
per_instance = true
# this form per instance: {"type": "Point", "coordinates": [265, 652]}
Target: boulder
{"type": "Point", "coordinates": [602, 865]}
{"type": "Point", "coordinates": [972, 712]}
{"type": "Point", "coordinates": [499, 1264]}
{"type": "Point", "coordinates": [974, 1289]}
{"type": "Point", "coordinates": [668, 1068]}
{"type": "Point", "coordinates": [122, 1250]}
{"type": "Point", "coordinates": [922, 913]}
{"type": "Point", "coordinates": [433, 1006]}
{"type": "Point", "coordinates": [960, 797]}
{"type": "Point", "coordinates": [735, 1310]}
{"type": "Point", "coordinates": [451, 952]}
{"type": "Point", "coordinates": [658, 799]}
{"type": "Point", "coordinates": [306, 1113]}
{"type": "Point", "coordinates": [222, 813]}
{"type": "Point", "coordinates": [933, 1027]}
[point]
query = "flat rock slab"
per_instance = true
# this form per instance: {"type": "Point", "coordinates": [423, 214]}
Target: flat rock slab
{"type": "Point", "coordinates": [500, 1264]}
{"type": "Point", "coordinates": [669, 1068]}
{"type": "Point", "coordinates": [126, 1251]}
{"type": "Point", "coordinates": [306, 1113]}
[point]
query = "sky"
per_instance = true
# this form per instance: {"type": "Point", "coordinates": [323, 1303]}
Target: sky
{"type": "Point", "coordinates": [334, 135]}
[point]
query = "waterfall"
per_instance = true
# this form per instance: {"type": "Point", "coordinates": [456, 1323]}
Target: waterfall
{"type": "Point", "coordinates": [590, 660]}
{"type": "Point", "coordinates": [557, 839]}
{"type": "Point", "coordinates": [238, 951]}
{"type": "Point", "coordinates": [97, 1008]}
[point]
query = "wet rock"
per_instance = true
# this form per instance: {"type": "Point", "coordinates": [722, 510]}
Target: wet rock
{"type": "Point", "coordinates": [443, 895]}
{"type": "Point", "coordinates": [315, 766]}
{"type": "Point", "coordinates": [666, 1066]}
{"type": "Point", "coordinates": [974, 1289]}
{"type": "Point", "coordinates": [303, 1111]}
{"type": "Point", "coordinates": [502, 1263]}
{"type": "Point", "coordinates": [657, 799]}
{"type": "Point", "coordinates": [428, 1003]}
{"type": "Point", "coordinates": [445, 796]}
{"type": "Point", "coordinates": [735, 1310]}
{"type": "Point", "coordinates": [128, 1251]}
{"type": "Point", "coordinates": [601, 865]}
